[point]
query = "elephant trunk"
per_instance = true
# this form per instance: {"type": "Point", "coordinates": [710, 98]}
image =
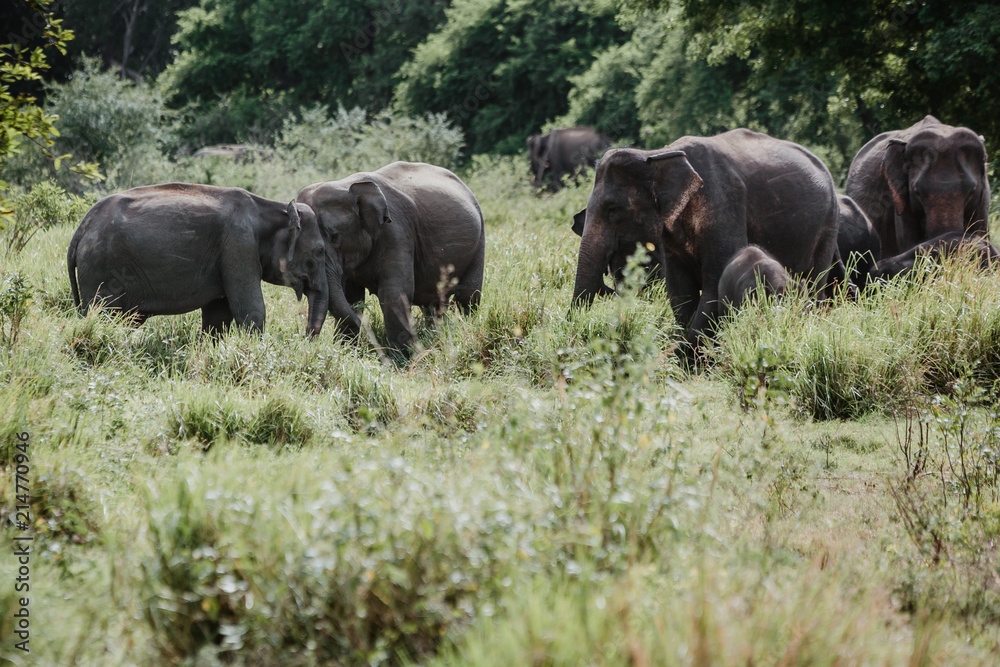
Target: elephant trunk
{"type": "Point", "coordinates": [590, 268]}
{"type": "Point", "coordinates": [946, 214]}
{"type": "Point", "coordinates": [348, 322]}
{"type": "Point", "coordinates": [318, 305]}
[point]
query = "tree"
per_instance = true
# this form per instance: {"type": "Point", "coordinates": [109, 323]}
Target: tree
{"type": "Point", "coordinates": [131, 36]}
{"type": "Point", "coordinates": [247, 63]}
{"type": "Point", "coordinates": [658, 87]}
{"type": "Point", "coordinates": [21, 118]}
{"type": "Point", "coordinates": [500, 69]}
{"type": "Point", "coordinates": [894, 62]}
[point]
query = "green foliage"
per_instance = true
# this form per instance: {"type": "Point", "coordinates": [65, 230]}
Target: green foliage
{"type": "Point", "coordinates": [21, 118]}
{"type": "Point", "coordinates": [42, 207]}
{"type": "Point", "coordinates": [500, 69]}
{"type": "Point", "coordinates": [106, 118]}
{"type": "Point", "coordinates": [891, 63]}
{"type": "Point", "coordinates": [243, 66]}
{"type": "Point", "coordinates": [134, 36]}
{"type": "Point", "coordinates": [15, 295]}
{"type": "Point", "coordinates": [60, 507]}
{"type": "Point", "coordinates": [912, 337]}
{"type": "Point", "coordinates": [210, 419]}
{"type": "Point", "coordinates": [315, 145]}
{"type": "Point", "coordinates": [949, 501]}
{"type": "Point", "coordinates": [351, 141]}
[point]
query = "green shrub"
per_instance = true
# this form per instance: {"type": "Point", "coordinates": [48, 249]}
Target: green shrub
{"type": "Point", "coordinates": [279, 422]}
{"type": "Point", "coordinates": [42, 207]}
{"type": "Point", "coordinates": [60, 505]}
{"type": "Point", "coordinates": [209, 418]}
{"type": "Point", "coordinates": [948, 501]}
{"type": "Point", "coordinates": [371, 567]}
{"type": "Point", "coordinates": [98, 338]}
{"type": "Point", "coordinates": [15, 295]}
{"type": "Point", "coordinates": [350, 141]}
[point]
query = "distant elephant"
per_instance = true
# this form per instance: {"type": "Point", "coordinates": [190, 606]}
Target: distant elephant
{"type": "Point", "coordinates": [857, 240]}
{"type": "Point", "coordinates": [749, 268]}
{"type": "Point", "coordinates": [918, 183]}
{"type": "Point", "coordinates": [399, 232]}
{"type": "Point", "coordinates": [940, 247]}
{"type": "Point", "coordinates": [699, 201]}
{"type": "Point", "coordinates": [563, 152]}
{"type": "Point", "coordinates": [173, 248]}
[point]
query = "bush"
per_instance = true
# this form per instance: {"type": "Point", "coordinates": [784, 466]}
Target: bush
{"type": "Point", "coordinates": [350, 141]}
{"type": "Point", "coordinates": [15, 294]}
{"type": "Point", "coordinates": [60, 505]}
{"type": "Point", "coordinates": [119, 123]}
{"type": "Point", "coordinates": [211, 418]}
{"type": "Point", "coordinates": [44, 206]}
{"type": "Point", "coordinates": [949, 503]}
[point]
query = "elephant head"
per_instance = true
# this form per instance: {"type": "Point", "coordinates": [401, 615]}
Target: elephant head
{"type": "Point", "coordinates": [301, 261]}
{"type": "Point", "coordinates": [937, 180]}
{"type": "Point", "coordinates": [638, 198]}
{"type": "Point", "coordinates": [538, 156]}
{"type": "Point", "coordinates": [351, 220]}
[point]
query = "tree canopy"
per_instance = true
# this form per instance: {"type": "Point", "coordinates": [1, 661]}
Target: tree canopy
{"type": "Point", "coordinates": [22, 61]}
{"type": "Point", "coordinates": [642, 71]}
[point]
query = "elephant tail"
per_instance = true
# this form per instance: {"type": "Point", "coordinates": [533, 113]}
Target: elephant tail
{"type": "Point", "coordinates": [71, 265]}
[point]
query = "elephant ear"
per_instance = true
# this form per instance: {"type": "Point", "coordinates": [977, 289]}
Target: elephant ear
{"type": "Point", "coordinates": [675, 183]}
{"type": "Point", "coordinates": [895, 173]}
{"type": "Point", "coordinates": [294, 227]}
{"type": "Point", "coordinates": [579, 220]}
{"type": "Point", "coordinates": [371, 206]}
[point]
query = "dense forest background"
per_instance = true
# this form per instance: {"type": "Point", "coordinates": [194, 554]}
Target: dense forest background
{"type": "Point", "coordinates": [176, 75]}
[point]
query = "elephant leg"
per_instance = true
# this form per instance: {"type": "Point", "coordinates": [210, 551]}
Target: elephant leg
{"type": "Point", "coordinates": [396, 301]}
{"type": "Point", "coordinates": [241, 283]}
{"type": "Point", "coordinates": [216, 317]}
{"type": "Point", "coordinates": [469, 289]}
{"type": "Point", "coordinates": [683, 288]}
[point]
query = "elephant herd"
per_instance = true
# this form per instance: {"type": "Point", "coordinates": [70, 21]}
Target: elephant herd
{"type": "Point", "coordinates": [720, 215]}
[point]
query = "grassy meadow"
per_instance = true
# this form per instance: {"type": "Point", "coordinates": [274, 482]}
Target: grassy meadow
{"type": "Point", "coordinates": [535, 487]}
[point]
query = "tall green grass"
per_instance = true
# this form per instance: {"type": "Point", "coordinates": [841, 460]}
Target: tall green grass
{"type": "Point", "coordinates": [536, 485]}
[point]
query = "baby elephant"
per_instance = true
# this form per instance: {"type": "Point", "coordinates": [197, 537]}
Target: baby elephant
{"type": "Point", "coordinates": [857, 240]}
{"type": "Point", "coordinates": [934, 250]}
{"type": "Point", "coordinates": [173, 248]}
{"type": "Point", "coordinates": [410, 233]}
{"type": "Point", "coordinates": [748, 268]}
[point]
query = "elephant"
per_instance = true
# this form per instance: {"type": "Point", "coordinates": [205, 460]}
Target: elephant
{"type": "Point", "coordinates": [699, 201]}
{"type": "Point", "coordinates": [563, 152]}
{"type": "Point", "coordinates": [857, 240]}
{"type": "Point", "coordinates": [399, 232]}
{"type": "Point", "coordinates": [749, 268]}
{"type": "Point", "coordinates": [940, 247]}
{"type": "Point", "coordinates": [918, 183]}
{"type": "Point", "coordinates": [173, 248]}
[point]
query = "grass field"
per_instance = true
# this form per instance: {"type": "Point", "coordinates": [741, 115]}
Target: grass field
{"type": "Point", "coordinates": [536, 487]}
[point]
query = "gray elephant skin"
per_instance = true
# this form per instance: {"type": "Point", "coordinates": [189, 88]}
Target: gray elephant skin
{"type": "Point", "coordinates": [940, 247]}
{"type": "Point", "coordinates": [563, 152]}
{"type": "Point", "coordinates": [857, 240]}
{"type": "Point", "coordinates": [918, 183]}
{"type": "Point", "coordinates": [396, 232]}
{"type": "Point", "coordinates": [173, 248]}
{"type": "Point", "coordinates": [749, 268]}
{"type": "Point", "coordinates": [697, 203]}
